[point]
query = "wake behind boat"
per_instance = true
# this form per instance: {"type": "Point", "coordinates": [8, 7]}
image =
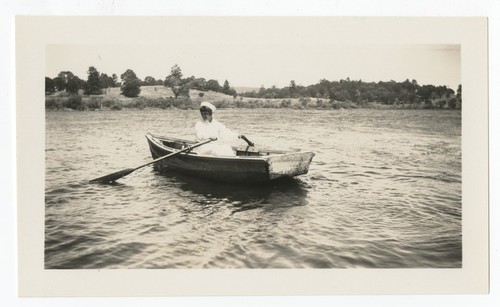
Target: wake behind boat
{"type": "Point", "coordinates": [250, 165]}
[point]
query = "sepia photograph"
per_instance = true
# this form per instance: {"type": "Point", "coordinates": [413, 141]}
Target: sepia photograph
{"type": "Point", "coordinates": [245, 155]}
{"type": "Point", "coordinates": [224, 148]}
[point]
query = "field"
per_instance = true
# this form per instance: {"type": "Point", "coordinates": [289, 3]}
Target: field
{"type": "Point", "coordinates": [163, 97]}
{"type": "Point", "coordinates": [219, 99]}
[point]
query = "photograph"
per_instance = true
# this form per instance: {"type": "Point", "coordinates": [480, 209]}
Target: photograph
{"type": "Point", "coordinates": [245, 156]}
{"type": "Point", "coordinates": [223, 155]}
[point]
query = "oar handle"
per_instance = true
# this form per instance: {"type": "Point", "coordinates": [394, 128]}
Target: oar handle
{"type": "Point", "coordinates": [250, 143]}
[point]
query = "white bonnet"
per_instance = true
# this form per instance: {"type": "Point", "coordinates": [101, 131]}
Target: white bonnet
{"type": "Point", "coordinates": [208, 105]}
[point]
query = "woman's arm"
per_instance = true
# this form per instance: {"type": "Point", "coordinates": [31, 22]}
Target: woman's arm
{"type": "Point", "coordinates": [226, 133]}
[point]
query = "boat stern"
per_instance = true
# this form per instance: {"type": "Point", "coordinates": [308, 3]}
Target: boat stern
{"type": "Point", "coordinates": [289, 165]}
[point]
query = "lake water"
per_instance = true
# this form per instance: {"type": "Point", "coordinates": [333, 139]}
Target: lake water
{"type": "Point", "coordinates": [383, 191]}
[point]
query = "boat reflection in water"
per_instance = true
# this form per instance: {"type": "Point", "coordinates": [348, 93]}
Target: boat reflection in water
{"type": "Point", "coordinates": [285, 192]}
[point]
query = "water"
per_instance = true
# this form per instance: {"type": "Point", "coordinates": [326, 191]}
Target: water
{"type": "Point", "coordinates": [383, 191]}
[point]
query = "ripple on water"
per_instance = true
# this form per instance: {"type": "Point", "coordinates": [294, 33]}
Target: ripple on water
{"type": "Point", "coordinates": [383, 191]}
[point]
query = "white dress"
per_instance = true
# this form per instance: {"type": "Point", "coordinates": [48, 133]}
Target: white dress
{"type": "Point", "coordinates": [215, 129]}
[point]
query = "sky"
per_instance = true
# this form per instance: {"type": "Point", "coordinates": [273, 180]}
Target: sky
{"type": "Point", "coordinates": [255, 55]}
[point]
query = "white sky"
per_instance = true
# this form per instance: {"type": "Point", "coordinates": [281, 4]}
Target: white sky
{"type": "Point", "coordinates": [255, 64]}
{"type": "Point", "coordinates": [257, 51]}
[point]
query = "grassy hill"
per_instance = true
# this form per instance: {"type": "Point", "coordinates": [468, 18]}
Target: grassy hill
{"type": "Point", "coordinates": [163, 97]}
{"type": "Point", "coordinates": [161, 92]}
{"type": "Point", "coordinates": [244, 89]}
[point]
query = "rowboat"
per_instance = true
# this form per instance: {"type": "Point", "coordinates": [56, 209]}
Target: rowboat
{"type": "Point", "coordinates": [250, 165]}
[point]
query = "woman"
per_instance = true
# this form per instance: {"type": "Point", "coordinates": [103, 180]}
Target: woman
{"type": "Point", "coordinates": [210, 128]}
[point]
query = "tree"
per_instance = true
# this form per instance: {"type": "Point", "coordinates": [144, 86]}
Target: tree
{"type": "Point", "coordinates": [325, 89]}
{"type": "Point", "coordinates": [343, 95]}
{"type": "Point", "coordinates": [106, 81]}
{"type": "Point", "coordinates": [292, 88]}
{"type": "Point", "coordinates": [226, 88]}
{"type": "Point", "coordinates": [49, 86]}
{"type": "Point", "coordinates": [262, 91]}
{"type": "Point", "coordinates": [115, 80]}
{"type": "Point", "coordinates": [178, 86]}
{"type": "Point", "coordinates": [459, 97]}
{"type": "Point", "coordinates": [409, 91]}
{"type": "Point", "coordinates": [426, 93]}
{"type": "Point", "coordinates": [131, 85]}
{"type": "Point", "coordinates": [233, 92]}
{"type": "Point", "coordinates": [63, 79]}
{"type": "Point", "coordinates": [74, 84]}
{"type": "Point", "coordinates": [93, 86]}
{"type": "Point", "coordinates": [213, 85]}
{"type": "Point", "coordinates": [176, 72]}
{"type": "Point", "coordinates": [184, 90]}
{"type": "Point", "coordinates": [59, 84]}
{"type": "Point", "coordinates": [199, 84]}
{"type": "Point", "coordinates": [149, 81]}
{"type": "Point", "coordinates": [189, 81]}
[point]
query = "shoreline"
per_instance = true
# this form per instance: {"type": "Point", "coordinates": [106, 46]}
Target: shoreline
{"type": "Point", "coordinates": [156, 97]}
{"type": "Point", "coordinates": [126, 108]}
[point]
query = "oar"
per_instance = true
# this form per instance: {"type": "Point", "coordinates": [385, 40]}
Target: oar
{"type": "Point", "coordinates": [250, 143]}
{"type": "Point", "coordinates": [117, 175]}
{"type": "Point", "coordinates": [250, 148]}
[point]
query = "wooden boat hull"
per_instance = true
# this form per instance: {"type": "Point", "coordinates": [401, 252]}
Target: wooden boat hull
{"type": "Point", "coordinates": [246, 167]}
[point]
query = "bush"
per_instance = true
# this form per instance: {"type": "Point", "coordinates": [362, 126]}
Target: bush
{"type": "Point", "coordinates": [241, 104]}
{"type": "Point", "coordinates": [286, 103]}
{"type": "Point", "coordinates": [131, 88]}
{"type": "Point", "coordinates": [343, 105]}
{"type": "Point", "coordinates": [62, 94]}
{"type": "Point", "coordinates": [159, 103]}
{"type": "Point", "coordinates": [138, 104]}
{"type": "Point", "coordinates": [428, 105]}
{"type": "Point", "coordinates": [270, 104]}
{"type": "Point", "coordinates": [304, 102]}
{"type": "Point", "coordinates": [108, 103]}
{"type": "Point", "coordinates": [452, 103]}
{"type": "Point", "coordinates": [94, 103]}
{"type": "Point", "coordinates": [191, 105]}
{"type": "Point", "coordinates": [53, 103]}
{"type": "Point", "coordinates": [74, 102]}
{"type": "Point", "coordinates": [222, 104]}
{"type": "Point", "coordinates": [184, 103]}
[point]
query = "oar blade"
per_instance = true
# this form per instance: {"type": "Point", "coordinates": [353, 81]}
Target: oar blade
{"type": "Point", "coordinates": [113, 177]}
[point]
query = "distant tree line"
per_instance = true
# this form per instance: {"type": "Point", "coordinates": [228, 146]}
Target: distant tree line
{"type": "Point", "coordinates": [130, 84]}
{"type": "Point", "coordinates": [68, 82]}
{"type": "Point", "coordinates": [353, 91]}
{"type": "Point", "coordinates": [359, 92]}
